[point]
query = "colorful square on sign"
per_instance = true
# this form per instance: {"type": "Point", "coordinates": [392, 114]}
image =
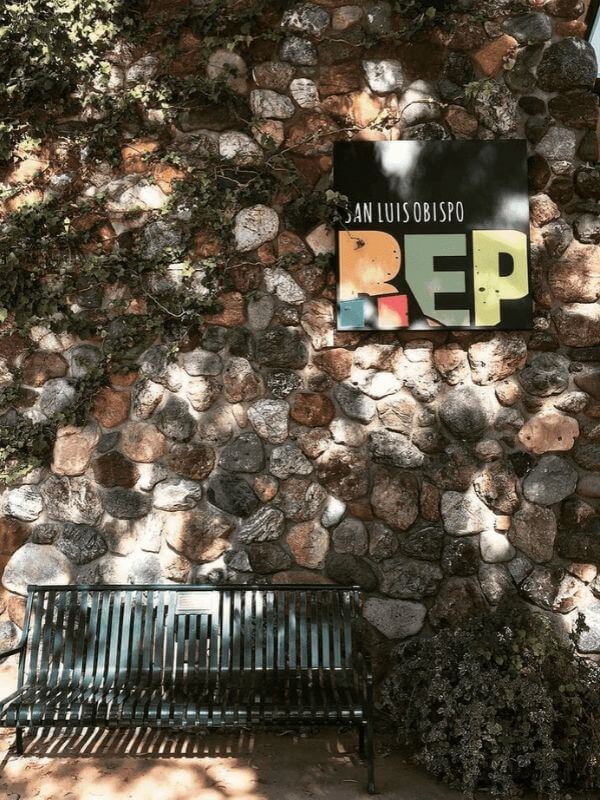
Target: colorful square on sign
{"type": "Point", "coordinates": [433, 234]}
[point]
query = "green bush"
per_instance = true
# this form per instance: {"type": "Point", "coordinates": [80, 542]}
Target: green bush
{"type": "Point", "coordinates": [501, 704]}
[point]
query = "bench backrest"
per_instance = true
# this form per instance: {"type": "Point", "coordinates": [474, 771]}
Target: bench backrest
{"type": "Point", "coordinates": [128, 635]}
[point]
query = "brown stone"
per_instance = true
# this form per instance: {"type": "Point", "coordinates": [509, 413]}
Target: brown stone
{"type": "Point", "coordinates": [16, 607]}
{"type": "Point", "coordinates": [497, 358]}
{"type": "Point", "coordinates": [309, 543]}
{"type": "Point", "coordinates": [568, 9]}
{"type": "Point", "coordinates": [201, 535]}
{"type": "Point", "coordinates": [533, 531]}
{"type": "Point", "coordinates": [549, 431]}
{"type": "Point", "coordinates": [266, 487]}
{"type": "Point", "coordinates": [123, 380]}
{"type": "Point", "coordinates": [311, 134]}
{"type": "Point", "coordinates": [578, 324]}
{"type": "Point", "coordinates": [395, 497]}
{"type": "Point", "coordinates": [451, 362]}
{"type": "Point", "coordinates": [575, 276]}
{"type": "Point", "coordinates": [468, 34]}
{"type": "Point", "coordinates": [295, 576]}
{"type": "Point", "coordinates": [142, 442]}
{"type": "Point", "coordinates": [491, 57]}
{"type": "Point", "coordinates": [543, 210]}
{"type": "Point", "coordinates": [43, 365]}
{"type": "Point", "coordinates": [589, 485]}
{"type": "Point", "coordinates": [273, 75]}
{"type": "Point", "coordinates": [576, 109]}
{"type": "Point", "coordinates": [314, 442]}
{"type": "Point", "coordinates": [12, 346]}
{"type": "Point", "coordinates": [300, 499]}
{"type": "Point", "coordinates": [361, 509]}
{"type": "Point", "coordinates": [194, 460]}
{"type": "Point", "coordinates": [12, 536]}
{"type": "Point", "coordinates": [429, 502]}
{"type": "Point", "coordinates": [113, 469]}
{"type": "Point", "coordinates": [508, 392]}
{"type": "Point", "coordinates": [457, 601]}
{"type": "Point", "coordinates": [111, 408]}
{"type": "Point", "coordinates": [571, 27]}
{"type": "Point", "coordinates": [202, 392]}
{"type": "Point", "coordinates": [344, 472]}
{"type": "Point", "coordinates": [318, 322]}
{"type": "Point", "coordinates": [336, 362]}
{"type": "Point", "coordinates": [340, 78]}
{"type": "Point", "coordinates": [135, 155]}
{"type": "Point", "coordinates": [312, 409]}
{"type": "Point", "coordinates": [232, 313]}
{"type": "Point", "coordinates": [461, 123]}
{"type": "Point", "coordinates": [496, 485]}
{"type": "Point", "coordinates": [73, 449]}
{"type": "Point", "coordinates": [357, 108]}
{"type": "Point", "coordinates": [585, 572]}
{"type": "Point", "coordinates": [240, 382]}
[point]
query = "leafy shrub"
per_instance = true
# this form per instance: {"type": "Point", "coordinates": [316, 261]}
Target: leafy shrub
{"type": "Point", "coordinates": [501, 704]}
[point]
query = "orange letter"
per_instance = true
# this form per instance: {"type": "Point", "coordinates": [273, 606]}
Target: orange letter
{"type": "Point", "coordinates": [368, 260]}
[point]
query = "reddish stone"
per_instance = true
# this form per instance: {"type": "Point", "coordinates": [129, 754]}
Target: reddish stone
{"type": "Point", "coordinates": [571, 27]}
{"type": "Point", "coordinates": [12, 346]}
{"type": "Point", "coordinates": [549, 431]}
{"type": "Point", "coordinates": [491, 57]}
{"type": "Point", "coordinates": [312, 409]}
{"type": "Point", "coordinates": [314, 442]}
{"type": "Point", "coordinates": [12, 536]}
{"type": "Point", "coordinates": [113, 469]}
{"type": "Point", "coordinates": [311, 135]}
{"type": "Point", "coordinates": [73, 449]}
{"type": "Point", "coordinates": [460, 122]}
{"type": "Point", "coordinates": [135, 155]}
{"type": "Point", "coordinates": [142, 442]}
{"type": "Point", "coordinates": [343, 472]}
{"type": "Point", "coordinates": [43, 365]}
{"type": "Point", "coordinates": [575, 276]}
{"type": "Point", "coordinates": [111, 408]}
{"type": "Point", "coordinates": [422, 60]}
{"type": "Point", "coordinates": [16, 606]}
{"type": "Point", "coordinates": [247, 278]}
{"type": "Point", "coordinates": [290, 244]}
{"type": "Point", "coordinates": [232, 312]}
{"type": "Point", "coordinates": [340, 78]}
{"type": "Point", "coordinates": [122, 380]}
{"type": "Point", "coordinates": [206, 244]}
{"type": "Point", "coordinates": [194, 461]}
{"type": "Point", "coordinates": [309, 543]}
{"type": "Point", "coordinates": [361, 509]}
{"type": "Point", "coordinates": [467, 35]}
{"type": "Point", "coordinates": [336, 362]}
{"type": "Point", "coordinates": [429, 502]}
{"type": "Point", "coordinates": [266, 487]}
{"type": "Point", "coordinates": [295, 576]}
{"type": "Point", "coordinates": [576, 109]}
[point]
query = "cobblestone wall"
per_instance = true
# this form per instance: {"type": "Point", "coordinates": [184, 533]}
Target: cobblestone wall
{"type": "Point", "coordinates": [439, 471]}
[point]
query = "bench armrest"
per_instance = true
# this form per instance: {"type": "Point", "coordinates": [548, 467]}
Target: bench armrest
{"type": "Point", "coordinates": [14, 650]}
{"type": "Point", "coordinates": [364, 666]}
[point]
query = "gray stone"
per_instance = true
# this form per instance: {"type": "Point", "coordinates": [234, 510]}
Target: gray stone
{"type": "Point", "coordinates": [305, 92]}
{"type": "Point", "coordinates": [587, 230]}
{"type": "Point", "coordinates": [397, 412]}
{"type": "Point", "coordinates": [175, 420]}
{"type": "Point", "coordinates": [496, 582]}
{"type": "Point", "coordinates": [350, 570]}
{"type": "Point", "coordinates": [244, 454]}
{"type": "Point", "coordinates": [270, 105]}
{"type": "Point", "coordinates": [238, 560]}
{"type": "Point", "coordinates": [233, 495]}
{"type": "Point", "coordinates": [385, 75]}
{"type": "Point", "coordinates": [572, 402]}
{"type": "Point", "coordinates": [495, 547]}
{"type": "Point", "coordinates": [495, 106]}
{"type": "Point", "coordinates": [239, 147]}
{"type": "Point", "coordinates": [306, 18]}
{"type": "Point", "coordinates": [280, 283]}
{"type": "Point", "coordinates": [378, 17]}
{"type": "Point", "coordinates": [529, 28]}
{"type": "Point", "coordinates": [10, 636]}
{"type": "Point", "coordinates": [300, 499]}
{"type": "Point", "coordinates": [383, 542]}
{"type": "Point", "coordinates": [588, 641]}
{"type": "Point", "coordinates": [264, 525]}
{"type": "Point", "coordinates": [24, 503]}
{"type": "Point", "coordinates": [145, 568]}
{"type": "Point", "coordinates": [72, 499]}
{"type": "Point", "coordinates": [426, 131]}
{"type": "Point", "coordinates": [461, 556]}
{"type": "Point", "coordinates": [80, 543]}
{"type": "Point", "coordinates": [268, 558]}
{"type": "Point", "coordinates": [269, 418]}
{"type": "Point", "coordinates": [394, 449]}
{"type": "Point", "coordinates": [547, 374]}
{"type": "Point", "coordinates": [108, 441]}
{"type": "Point", "coordinates": [255, 225]}
{"type": "Point", "coordinates": [333, 511]}
{"type": "Point", "coordinates": [496, 485]}
{"type": "Point", "coordinates": [396, 619]}
{"type": "Point", "coordinates": [567, 64]}
{"type": "Point", "coordinates": [559, 144]}
{"type": "Point", "coordinates": [45, 533]}
{"type": "Point", "coordinates": [351, 536]}
{"type": "Point", "coordinates": [202, 362]}
{"type": "Point", "coordinates": [36, 564]}
{"type": "Point", "coordinates": [463, 414]}
{"type": "Point", "coordinates": [260, 312]}
{"type": "Point", "coordinates": [176, 494]}
{"type": "Point", "coordinates": [281, 347]}
{"type": "Point", "coordinates": [57, 395]}
{"type": "Point", "coordinates": [82, 360]}
{"type": "Point", "coordinates": [160, 239]}
{"type": "Point", "coordinates": [550, 481]}
{"type": "Point", "coordinates": [409, 579]}
{"type": "Point", "coordinates": [541, 586]}
{"type": "Point", "coordinates": [557, 236]}
{"type": "Point", "coordinates": [354, 403]}
{"type": "Point", "coordinates": [282, 384]}
{"type": "Point", "coordinates": [287, 459]}
{"type": "Point", "coordinates": [298, 51]}
{"type": "Point", "coordinates": [395, 497]}
{"type": "Point", "coordinates": [519, 568]}
{"type": "Point", "coordinates": [587, 455]}
{"type": "Point", "coordinates": [425, 543]}
{"type": "Point", "coordinates": [533, 532]}
{"type": "Point", "coordinates": [463, 513]}
{"type": "Point", "coordinates": [125, 503]}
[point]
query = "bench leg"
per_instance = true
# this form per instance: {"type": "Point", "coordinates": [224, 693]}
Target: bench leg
{"type": "Point", "coordinates": [19, 741]}
{"type": "Point", "coordinates": [361, 740]}
{"type": "Point", "coordinates": [370, 754]}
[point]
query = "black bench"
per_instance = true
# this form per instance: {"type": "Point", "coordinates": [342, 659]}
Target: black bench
{"type": "Point", "coordinates": [191, 657]}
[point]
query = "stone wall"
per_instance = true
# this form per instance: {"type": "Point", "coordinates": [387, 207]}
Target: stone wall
{"type": "Point", "coordinates": [440, 471]}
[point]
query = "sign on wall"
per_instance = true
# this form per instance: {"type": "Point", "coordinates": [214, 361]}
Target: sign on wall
{"type": "Point", "coordinates": [433, 234]}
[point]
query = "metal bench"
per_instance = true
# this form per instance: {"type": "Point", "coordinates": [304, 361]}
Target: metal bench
{"type": "Point", "coordinates": [191, 657]}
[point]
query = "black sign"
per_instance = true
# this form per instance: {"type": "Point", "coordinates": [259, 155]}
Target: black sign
{"type": "Point", "coordinates": [433, 234]}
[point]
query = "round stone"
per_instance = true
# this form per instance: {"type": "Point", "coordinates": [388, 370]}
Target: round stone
{"type": "Point", "coordinates": [142, 442]}
{"type": "Point", "coordinates": [396, 619]}
{"type": "Point", "coordinates": [309, 543]}
{"type": "Point", "coordinates": [233, 495]}
{"type": "Point", "coordinates": [567, 64]}
{"type": "Point", "coordinates": [551, 480]}
{"type": "Point", "coordinates": [37, 564]}
{"type": "Point", "coordinates": [312, 409]}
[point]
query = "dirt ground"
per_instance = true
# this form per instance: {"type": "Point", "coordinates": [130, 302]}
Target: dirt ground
{"type": "Point", "coordinates": [157, 765]}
